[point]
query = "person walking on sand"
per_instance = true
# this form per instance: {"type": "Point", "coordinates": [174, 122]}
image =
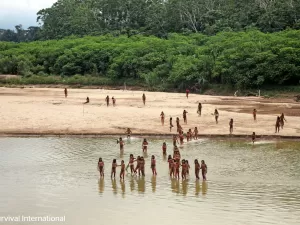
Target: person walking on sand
{"type": "Point", "coordinates": [231, 126]}
{"type": "Point", "coordinates": [66, 92]}
{"type": "Point", "coordinates": [184, 116]}
{"type": "Point", "coordinates": [87, 100]}
{"type": "Point", "coordinates": [144, 98]}
{"type": "Point", "coordinates": [107, 100]}
{"type": "Point", "coordinates": [216, 114]}
{"type": "Point", "coordinates": [199, 109]}
{"type": "Point", "coordinates": [254, 114]}
{"type": "Point", "coordinates": [162, 118]}
{"type": "Point", "coordinates": [171, 124]}
{"type": "Point", "coordinates": [113, 101]}
{"type": "Point", "coordinates": [277, 125]}
{"type": "Point", "coordinates": [282, 119]}
{"type": "Point", "coordinates": [187, 91]}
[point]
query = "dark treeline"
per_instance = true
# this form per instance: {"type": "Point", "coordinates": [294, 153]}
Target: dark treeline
{"type": "Point", "coordinates": [248, 59]}
{"type": "Point", "coordinates": [158, 17]}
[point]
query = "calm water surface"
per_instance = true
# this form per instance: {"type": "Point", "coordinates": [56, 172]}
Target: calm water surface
{"type": "Point", "coordinates": [246, 184]}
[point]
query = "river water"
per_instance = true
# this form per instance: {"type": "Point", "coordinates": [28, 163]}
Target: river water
{"type": "Point", "coordinates": [247, 184]}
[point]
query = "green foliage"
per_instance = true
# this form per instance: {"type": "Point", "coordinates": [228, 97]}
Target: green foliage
{"type": "Point", "coordinates": [249, 59]}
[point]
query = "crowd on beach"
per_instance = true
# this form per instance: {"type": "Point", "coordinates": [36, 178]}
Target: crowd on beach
{"type": "Point", "coordinates": [175, 162]}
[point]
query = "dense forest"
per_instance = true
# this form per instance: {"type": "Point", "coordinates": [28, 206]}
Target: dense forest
{"type": "Point", "coordinates": [161, 43]}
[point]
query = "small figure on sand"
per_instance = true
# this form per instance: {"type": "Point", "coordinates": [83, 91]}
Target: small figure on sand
{"type": "Point", "coordinates": [153, 165]}
{"type": "Point", "coordinates": [164, 148]}
{"type": "Point", "coordinates": [128, 132]}
{"type": "Point", "coordinates": [204, 169]}
{"type": "Point", "coordinates": [187, 91]}
{"type": "Point", "coordinates": [113, 101]}
{"type": "Point", "coordinates": [184, 116]}
{"type": "Point", "coordinates": [282, 119]}
{"type": "Point", "coordinates": [107, 100]}
{"type": "Point", "coordinates": [101, 167]}
{"type": "Point", "coordinates": [277, 125]}
{"type": "Point", "coordinates": [253, 137]}
{"type": "Point", "coordinates": [144, 98]}
{"type": "Point", "coordinates": [216, 114]}
{"type": "Point", "coordinates": [231, 126]}
{"type": "Point", "coordinates": [66, 92]}
{"type": "Point", "coordinates": [145, 145]}
{"type": "Point", "coordinates": [87, 100]}
{"type": "Point", "coordinates": [171, 124]}
{"type": "Point", "coordinates": [199, 109]}
{"type": "Point", "coordinates": [254, 114]}
{"type": "Point", "coordinates": [162, 118]}
{"type": "Point", "coordinates": [121, 143]}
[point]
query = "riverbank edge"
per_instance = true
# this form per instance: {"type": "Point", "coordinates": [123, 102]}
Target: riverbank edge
{"type": "Point", "coordinates": [158, 136]}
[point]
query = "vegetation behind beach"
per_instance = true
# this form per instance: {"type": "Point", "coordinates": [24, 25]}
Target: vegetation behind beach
{"type": "Point", "coordinates": [160, 45]}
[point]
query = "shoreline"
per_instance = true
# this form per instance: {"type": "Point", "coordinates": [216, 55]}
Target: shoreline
{"type": "Point", "coordinates": [142, 135]}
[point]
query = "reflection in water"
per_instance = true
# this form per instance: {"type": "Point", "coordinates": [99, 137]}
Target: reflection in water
{"type": "Point", "coordinates": [175, 185]}
{"type": "Point", "coordinates": [164, 157]}
{"type": "Point", "coordinates": [185, 185]}
{"type": "Point", "coordinates": [121, 154]}
{"type": "Point", "coordinates": [197, 188]}
{"type": "Point", "coordinates": [101, 185]}
{"type": "Point", "coordinates": [122, 183]}
{"type": "Point", "coordinates": [141, 184]}
{"type": "Point", "coordinates": [204, 188]}
{"type": "Point", "coordinates": [132, 184]}
{"type": "Point", "coordinates": [114, 186]}
{"type": "Point", "coordinates": [145, 154]}
{"type": "Point", "coordinates": [153, 183]}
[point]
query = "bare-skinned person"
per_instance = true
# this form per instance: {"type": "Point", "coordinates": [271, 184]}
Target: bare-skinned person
{"type": "Point", "coordinates": [231, 126]}
{"type": "Point", "coordinates": [144, 98]}
{"type": "Point", "coordinates": [199, 109]}
{"type": "Point", "coordinates": [277, 125]}
{"type": "Point", "coordinates": [196, 133]}
{"type": "Point", "coordinates": [87, 100]}
{"type": "Point", "coordinates": [121, 143]}
{"type": "Point", "coordinates": [253, 137]}
{"type": "Point", "coordinates": [66, 92]}
{"type": "Point", "coordinates": [184, 116]}
{"type": "Point", "coordinates": [162, 118]}
{"type": "Point", "coordinates": [128, 132]}
{"type": "Point", "coordinates": [171, 124]}
{"type": "Point", "coordinates": [216, 114]}
{"type": "Point", "coordinates": [282, 120]}
{"type": "Point", "coordinates": [113, 101]}
{"type": "Point", "coordinates": [107, 100]}
{"type": "Point", "coordinates": [254, 114]}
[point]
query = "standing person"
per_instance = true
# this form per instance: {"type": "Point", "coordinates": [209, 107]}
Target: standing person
{"type": "Point", "coordinates": [113, 101]}
{"type": "Point", "coordinates": [277, 125]}
{"type": "Point", "coordinates": [121, 143]}
{"type": "Point", "coordinates": [199, 109]}
{"type": "Point", "coordinates": [66, 92]}
{"type": "Point", "coordinates": [184, 169]}
{"type": "Point", "coordinates": [197, 169]}
{"type": "Point", "coordinates": [175, 140]}
{"type": "Point", "coordinates": [144, 98]}
{"type": "Point", "coordinates": [128, 132]}
{"type": "Point", "coordinates": [181, 137]}
{"type": "Point", "coordinates": [204, 169]}
{"type": "Point", "coordinates": [231, 126]}
{"type": "Point", "coordinates": [187, 91]}
{"type": "Point", "coordinates": [113, 168]}
{"type": "Point", "coordinates": [142, 166]}
{"type": "Point", "coordinates": [282, 119]}
{"type": "Point", "coordinates": [177, 124]}
{"type": "Point", "coordinates": [122, 172]}
{"type": "Point", "coordinates": [196, 133]}
{"type": "Point", "coordinates": [253, 137]}
{"type": "Point", "coordinates": [171, 124]}
{"type": "Point", "coordinates": [164, 148]}
{"type": "Point", "coordinates": [184, 116]}
{"type": "Point", "coordinates": [254, 114]}
{"type": "Point", "coordinates": [162, 118]}
{"type": "Point", "coordinates": [131, 163]}
{"type": "Point", "coordinates": [153, 165]}
{"type": "Point", "coordinates": [138, 165]}
{"type": "Point", "coordinates": [107, 100]}
{"type": "Point", "coordinates": [216, 114]}
{"type": "Point", "coordinates": [101, 167]}
{"type": "Point", "coordinates": [145, 145]}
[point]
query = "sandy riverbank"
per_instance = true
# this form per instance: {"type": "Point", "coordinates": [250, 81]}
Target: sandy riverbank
{"type": "Point", "coordinates": [46, 111]}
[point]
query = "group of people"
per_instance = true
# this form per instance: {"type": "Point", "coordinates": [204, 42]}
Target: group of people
{"type": "Point", "coordinates": [175, 163]}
